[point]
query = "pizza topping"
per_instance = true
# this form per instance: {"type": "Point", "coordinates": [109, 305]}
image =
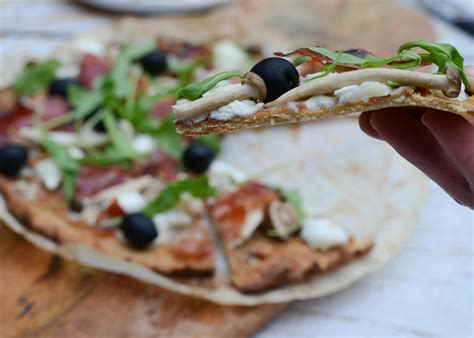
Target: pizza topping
{"type": "Point", "coordinates": [131, 201]}
{"type": "Point", "coordinates": [323, 234]}
{"type": "Point", "coordinates": [228, 53]}
{"type": "Point", "coordinates": [13, 158]}
{"type": "Point", "coordinates": [224, 176]}
{"type": "Point", "coordinates": [154, 63]}
{"type": "Point", "coordinates": [450, 83]}
{"type": "Point", "coordinates": [236, 108]}
{"type": "Point", "coordinates": [362, 92]}
{"type": "Point", "coordinates": [319, 101]}
{"type": "Point", "coordinates": [144, 144]}
{"type": "Point", "coordinates": [198, 157]}
{"type": "Point", "coordinates": [91, 68]}
{"type": "Point", "coordinates": [49, 174]}
{"type": "Point", "coordinates": [36, 77]}
{"type": "Point", "coordinates": [59, 87]}
{"type": "Point", "coordinates": [282, 219]}
{"type": "Point", "coordinates": [279, 76]}
{"type": "Point", "coordinates": [138, 230]}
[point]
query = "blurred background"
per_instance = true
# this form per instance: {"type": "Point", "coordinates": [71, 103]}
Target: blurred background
{"type": "Point", "coordinates": [427, 291]}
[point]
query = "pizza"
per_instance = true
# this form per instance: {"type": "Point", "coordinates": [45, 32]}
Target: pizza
{"type": "Point", "coordinates": [90, 160]}
{"type": "Point", "coordinates": [315, 83]}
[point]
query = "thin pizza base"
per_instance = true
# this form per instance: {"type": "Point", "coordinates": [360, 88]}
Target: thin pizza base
{"type": "Point", "coordinates": [386, 220]}
{"type": "Point", "coordinates": [284, 114]}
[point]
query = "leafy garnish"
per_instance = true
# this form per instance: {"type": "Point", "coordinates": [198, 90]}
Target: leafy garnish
{"type": "Point", "coordinates": [68, 166]}
{"type": "Point", "coordinates": [119, 141]}
{"type": "Point", "coordinates": [36, 77]}
{"type": "Point", "coordinates": [170, 196]}
{"type": "Point", "coordinates": [439, 54]}
{"type": "Point", "coordinates": [213, 141]}
{"type": "Point", "coordinates": [196, 90]}
{"type": "Point", "coordinates": [84, 101]}
{"type": "Point", "coordinates": [185, 68]}
{"type": "Point", "coordinates": [168, 140]}
{"type": "Point", "coordinates": [328, 69]}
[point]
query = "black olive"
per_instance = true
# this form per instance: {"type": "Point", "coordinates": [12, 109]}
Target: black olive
{"type": "Point", "coordinates": [279, 76]}
{"type": "Point", "coordinates": [359, 52]}
{"type": "Point", "coordinates": [12, 158]}
{"type": "Point", "coordinates": [59, 87]}
{"type": "Point", "coordinates": [198, 157]}
{"type": "Point", "coordinates": [154, 63]}
{"type": "Point", "coordinates": [138, 229]}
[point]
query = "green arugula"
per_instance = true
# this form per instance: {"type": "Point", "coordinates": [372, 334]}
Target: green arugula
{"type": "Point", "coordinates": [328, 69]}
{"type": "Point", "coordinates": [196, 90]}
{"type": "Point", "coordinates": [170, 196]}
{"type": "Point", "coordinates": [168, 139]}
{"type": "Point", "coordinates": [69, 167]}
{"type": "Point", "coordinates": [36, 77]}
{"type": "Point", "coordinates": [118, 140]}
{"type": "Point", "coordinates": [439, 54]}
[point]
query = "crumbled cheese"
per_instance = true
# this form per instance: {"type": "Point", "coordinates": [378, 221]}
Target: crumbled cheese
{"type": "Point", "coordinates": [135, 184]}
{"type": "Point", "coordinates": [320, 101]}
{"type": "Point", "coordinates": [49, 174]}
{"type": "Point", "coordinates": [363, 92]}
{"type": "Point", "coordinates": [236, 108]}
{"type": "Point", "coordinates": [224, 176]}
{"type": "Point", "coordinates": [227, 53]}
{"type": "Point", "coordinates": [76, 153]}
{"type": "Point", "coordinates": [131, 201]}
{"type": "Point", "coordinates": [191, 204]}
{"type": "Point", "coordinates": [144, 144]}
{"type": "Point", "coordinates": [321, 233]}
{"type": "Point", "coordinates": [167, 221]}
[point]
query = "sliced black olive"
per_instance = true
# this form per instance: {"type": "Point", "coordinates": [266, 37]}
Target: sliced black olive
{"type": "Point", "coordinates": [12, 159]}
{"type": "Point", "coordinates": [139, 230]}
{"type": "Point", "coordinates": [198, 157]}
{"type": "Point", "coordinates": [59, 87]}
{"type": "Point", "coordinates": [279, 76]}
{"type": "Point", "coordinates": [154, 63]}
{"type": "Point", "coordinates": [359, 52]}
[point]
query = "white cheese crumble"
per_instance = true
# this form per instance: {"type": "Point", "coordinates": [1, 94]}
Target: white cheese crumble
{"type": "Point", "coordinates": [144, 144]}
{"type": "Point", "coordinates": [224, 176]}
{"type": "Point", "coordinates": [321, 233]}
{"type": "Point", "coordinates": [131, 201]}
{"type": "Point", "coordinates": [165, 223]}
{"type": "Point", "coordinates": [236, 108]}
{"type": "Point", "coordinates": [364, 92]}
{"type": "Point", "coordinates": [76, 153]}
{"type": "Point", "coordinates": [49, 174]}
{"type": "Point", "coordinates": [227, 53]}
{"type": "Point", "coordinates": [320, 101]}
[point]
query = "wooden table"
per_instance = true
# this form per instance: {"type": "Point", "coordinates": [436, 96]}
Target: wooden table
{"type": "Point", "coordinates": [426, 291]}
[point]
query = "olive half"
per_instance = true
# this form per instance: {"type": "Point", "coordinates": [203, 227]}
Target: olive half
{"type": "Point", "coordinates": [13, 157]}
{"type": "Point", "coordinates": [139, 230]}
{"type": "Point", "coordinates": [279, 76]}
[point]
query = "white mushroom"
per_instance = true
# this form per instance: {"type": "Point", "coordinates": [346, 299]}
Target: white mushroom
{"type": "Point", "coordinates": [449, 84]}
{"type": "Point", "coordinates": [283, 218]}
{"type": "Point", "coordinates": [252, 87]}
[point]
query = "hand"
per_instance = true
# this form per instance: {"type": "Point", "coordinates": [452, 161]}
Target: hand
{"type": "Point", "coordinates": [440, 144]}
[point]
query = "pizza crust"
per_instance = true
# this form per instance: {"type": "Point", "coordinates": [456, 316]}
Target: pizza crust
{"type": "Point", "coordinates": [283, 114]}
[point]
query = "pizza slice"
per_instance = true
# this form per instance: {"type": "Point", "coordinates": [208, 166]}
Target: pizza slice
{"type": "Point", "coordinates": [320, 83]}
{"type": "Point", "coordinates": [267, 239]}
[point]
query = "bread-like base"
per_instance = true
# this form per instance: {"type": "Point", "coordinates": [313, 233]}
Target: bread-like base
{"type": "Point", "coordinates": [283, 114]}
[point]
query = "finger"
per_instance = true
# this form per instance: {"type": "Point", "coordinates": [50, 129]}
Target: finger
{"type": "Point", "coordinates": [469, 71]}
{"type": "Point", "coordinates": [456, 136]}
{"type": "Point", "coordinates": [364, 124]}
{"type": "Point", "coordinates": [412, 140]}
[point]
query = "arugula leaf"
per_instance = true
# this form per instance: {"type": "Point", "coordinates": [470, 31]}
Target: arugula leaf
{"type": "Point", "coordinates": [36, 77]}
{"type": "Point", "coordinates": [440, 54]}
{"type": "Point", "coordinates": [184, 68]}
{"type": "Point", "coordinates": [328, 69]}
{"type": "Point", "coordinates": [69, 167]}
{"type": "Point", "coordinates": [168, 139]}
{"type": "Point", "coordinates": [119, 141]}
{"type": "Point", "coordinates": [195, 91]}
{"type": "Point", "coordinates": [211, 140]}
{"type": "Point", "coordinates": [170, 196]}
{"type": "Point", "coordinates": [84, 101]}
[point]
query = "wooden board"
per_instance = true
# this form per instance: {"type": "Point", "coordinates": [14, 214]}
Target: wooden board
{"type": "Point", "coordinates": [43, 295]}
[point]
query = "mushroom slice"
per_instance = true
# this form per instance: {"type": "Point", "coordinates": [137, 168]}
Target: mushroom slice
{"type": "Point", "coordinates": [449, 83]}
{"type": "Point", "coordinates": [282, 219]}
